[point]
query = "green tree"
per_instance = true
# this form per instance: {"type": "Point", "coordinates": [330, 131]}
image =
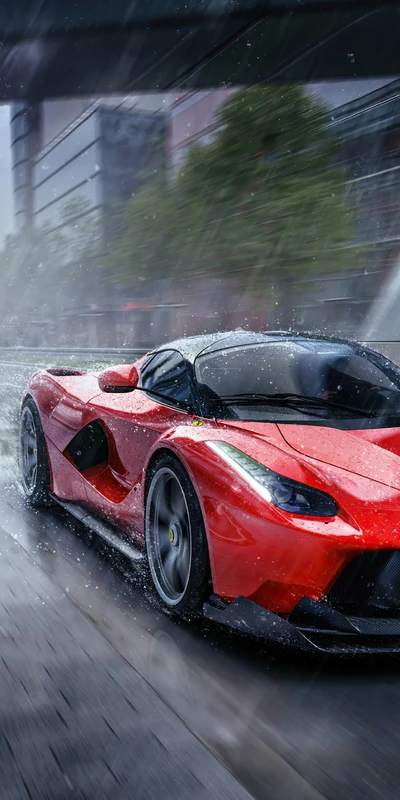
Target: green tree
{"type": "Point", "coordinates": [264, 200]}
{"type": "Point", "coordinates": [30, 267]}
{"type": "Point", "coordinates": [45, 269]}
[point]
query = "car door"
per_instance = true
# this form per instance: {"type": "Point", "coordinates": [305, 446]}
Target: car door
{"type": "Point", "coordinates": [133, 422]}
{"type": "Point", "coordinates": [63, 400]}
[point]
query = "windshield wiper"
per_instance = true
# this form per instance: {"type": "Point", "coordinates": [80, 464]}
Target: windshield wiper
{"type": "Point", "coordinates": [290, 399]}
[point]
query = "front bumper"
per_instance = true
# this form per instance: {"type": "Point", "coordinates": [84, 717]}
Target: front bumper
{"type": "Point", "coordinates": [311, 627]}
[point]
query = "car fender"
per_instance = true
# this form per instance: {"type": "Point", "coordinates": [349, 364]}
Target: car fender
{"type": "Point", "coordinates": [251, 542]}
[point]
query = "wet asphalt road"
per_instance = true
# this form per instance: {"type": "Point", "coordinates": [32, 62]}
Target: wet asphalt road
{"type": "Point", "coordinates": [102, 695]}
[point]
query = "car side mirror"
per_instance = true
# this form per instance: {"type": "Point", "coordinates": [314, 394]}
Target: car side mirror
{"type": "Point", "coordinates": [123, 378]}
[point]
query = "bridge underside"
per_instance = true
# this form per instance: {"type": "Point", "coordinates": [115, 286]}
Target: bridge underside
{"type": "Point", "coordinates": [60, 49]}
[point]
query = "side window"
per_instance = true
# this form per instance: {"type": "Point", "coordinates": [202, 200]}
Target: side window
{"type": "Point", "coordinates": [362, 369]}
{"type": "Point", "coordinates": [166, 374]}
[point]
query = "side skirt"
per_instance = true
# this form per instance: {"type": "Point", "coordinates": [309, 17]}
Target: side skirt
{"type": "Point", "coordinates": [111, 535]}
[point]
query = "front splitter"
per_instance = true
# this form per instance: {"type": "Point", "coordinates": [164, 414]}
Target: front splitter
{"type": "Point", "coordinates": [361, 637]}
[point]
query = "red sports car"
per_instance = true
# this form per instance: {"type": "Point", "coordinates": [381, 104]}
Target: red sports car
{"type": "Point", "coordinates": [257, 473]}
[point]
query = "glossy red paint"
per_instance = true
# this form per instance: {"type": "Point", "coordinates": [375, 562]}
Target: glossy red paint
{"type": "Point", "coordinates": [125, 376]}
{"type": "Point", "coordinates": [256, 550]}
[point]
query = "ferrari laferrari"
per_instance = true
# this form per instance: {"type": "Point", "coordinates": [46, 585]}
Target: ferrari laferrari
{"type": "Point", "coordinates": [256, 476]}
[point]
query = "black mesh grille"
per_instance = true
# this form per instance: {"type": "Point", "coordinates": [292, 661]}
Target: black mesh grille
{"type": "Point", "coordinates": [64, 372]}
{"type": "Point", "coordinates": [369, 585]}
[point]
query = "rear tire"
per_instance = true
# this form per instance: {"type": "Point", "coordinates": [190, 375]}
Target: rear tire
{"type": "Point", "coordinates": [176, 541]}
{"type": "Point", "coordinates": [33, 458]}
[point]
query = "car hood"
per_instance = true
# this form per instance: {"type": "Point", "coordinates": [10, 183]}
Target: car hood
{"type": "Point", "coordinates": [372, 453]}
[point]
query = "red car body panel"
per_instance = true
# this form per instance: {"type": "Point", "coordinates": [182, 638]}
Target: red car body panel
{"type": "Point", "coordinates": [350, 450]}
{"type": "Point", "coordinates": [256, 550]}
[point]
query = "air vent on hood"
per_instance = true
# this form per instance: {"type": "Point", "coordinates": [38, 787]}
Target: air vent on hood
{"type": "Point", "coordinates": [63, 372]}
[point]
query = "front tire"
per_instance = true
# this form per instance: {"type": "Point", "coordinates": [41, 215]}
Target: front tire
{"type": "Point", "coordinates": [176, 541]}
{"type": "Point", "coordinates": [33, 458]}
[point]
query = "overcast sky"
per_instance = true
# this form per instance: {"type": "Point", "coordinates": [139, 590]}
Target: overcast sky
{"type": "Point", "coordinates": [337, 93]}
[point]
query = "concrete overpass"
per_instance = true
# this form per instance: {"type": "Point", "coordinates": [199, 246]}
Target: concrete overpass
{"type": "Point", "coordinates": [59, 48]}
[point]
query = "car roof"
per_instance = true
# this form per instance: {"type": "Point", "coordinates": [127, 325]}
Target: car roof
{"type": "Point", "coordinates": [192, 346]}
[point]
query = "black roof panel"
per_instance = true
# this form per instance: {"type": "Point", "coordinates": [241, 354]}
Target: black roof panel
{"type": "Point", "coordinates": [192, 346]}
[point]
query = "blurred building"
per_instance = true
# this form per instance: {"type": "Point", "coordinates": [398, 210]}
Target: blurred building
{"type": "Point", "coordinates": [368, 133]}
{"type": "Point", "coordinates": [95, 150]}
{"type": "Point", "coordinates": [76, 159]}
{"type": "Point", "coordinates": [100, 151]}
{"type": "Point", "coordinates": [368, 130]}
{"type": "Point", "coordinates": [25, 132]}
{"type": "Point", "coordinates": [97, 153]}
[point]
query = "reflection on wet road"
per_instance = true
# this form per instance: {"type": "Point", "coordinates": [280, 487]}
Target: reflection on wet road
{"type": "Point", "coordinates": [284, 729]}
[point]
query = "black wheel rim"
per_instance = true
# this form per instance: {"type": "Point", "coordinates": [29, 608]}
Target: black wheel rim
{"type": "Point", "coordinates": [28, 451]}
{"type": "Point", "coordinates": [169, 537]}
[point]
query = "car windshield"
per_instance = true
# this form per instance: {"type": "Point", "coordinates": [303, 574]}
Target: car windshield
{"type": "Point", "coordinates": [299, 378]}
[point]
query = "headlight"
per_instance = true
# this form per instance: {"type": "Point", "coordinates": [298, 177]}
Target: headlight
{"type": "Point", "coordinates": [286, 494]}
